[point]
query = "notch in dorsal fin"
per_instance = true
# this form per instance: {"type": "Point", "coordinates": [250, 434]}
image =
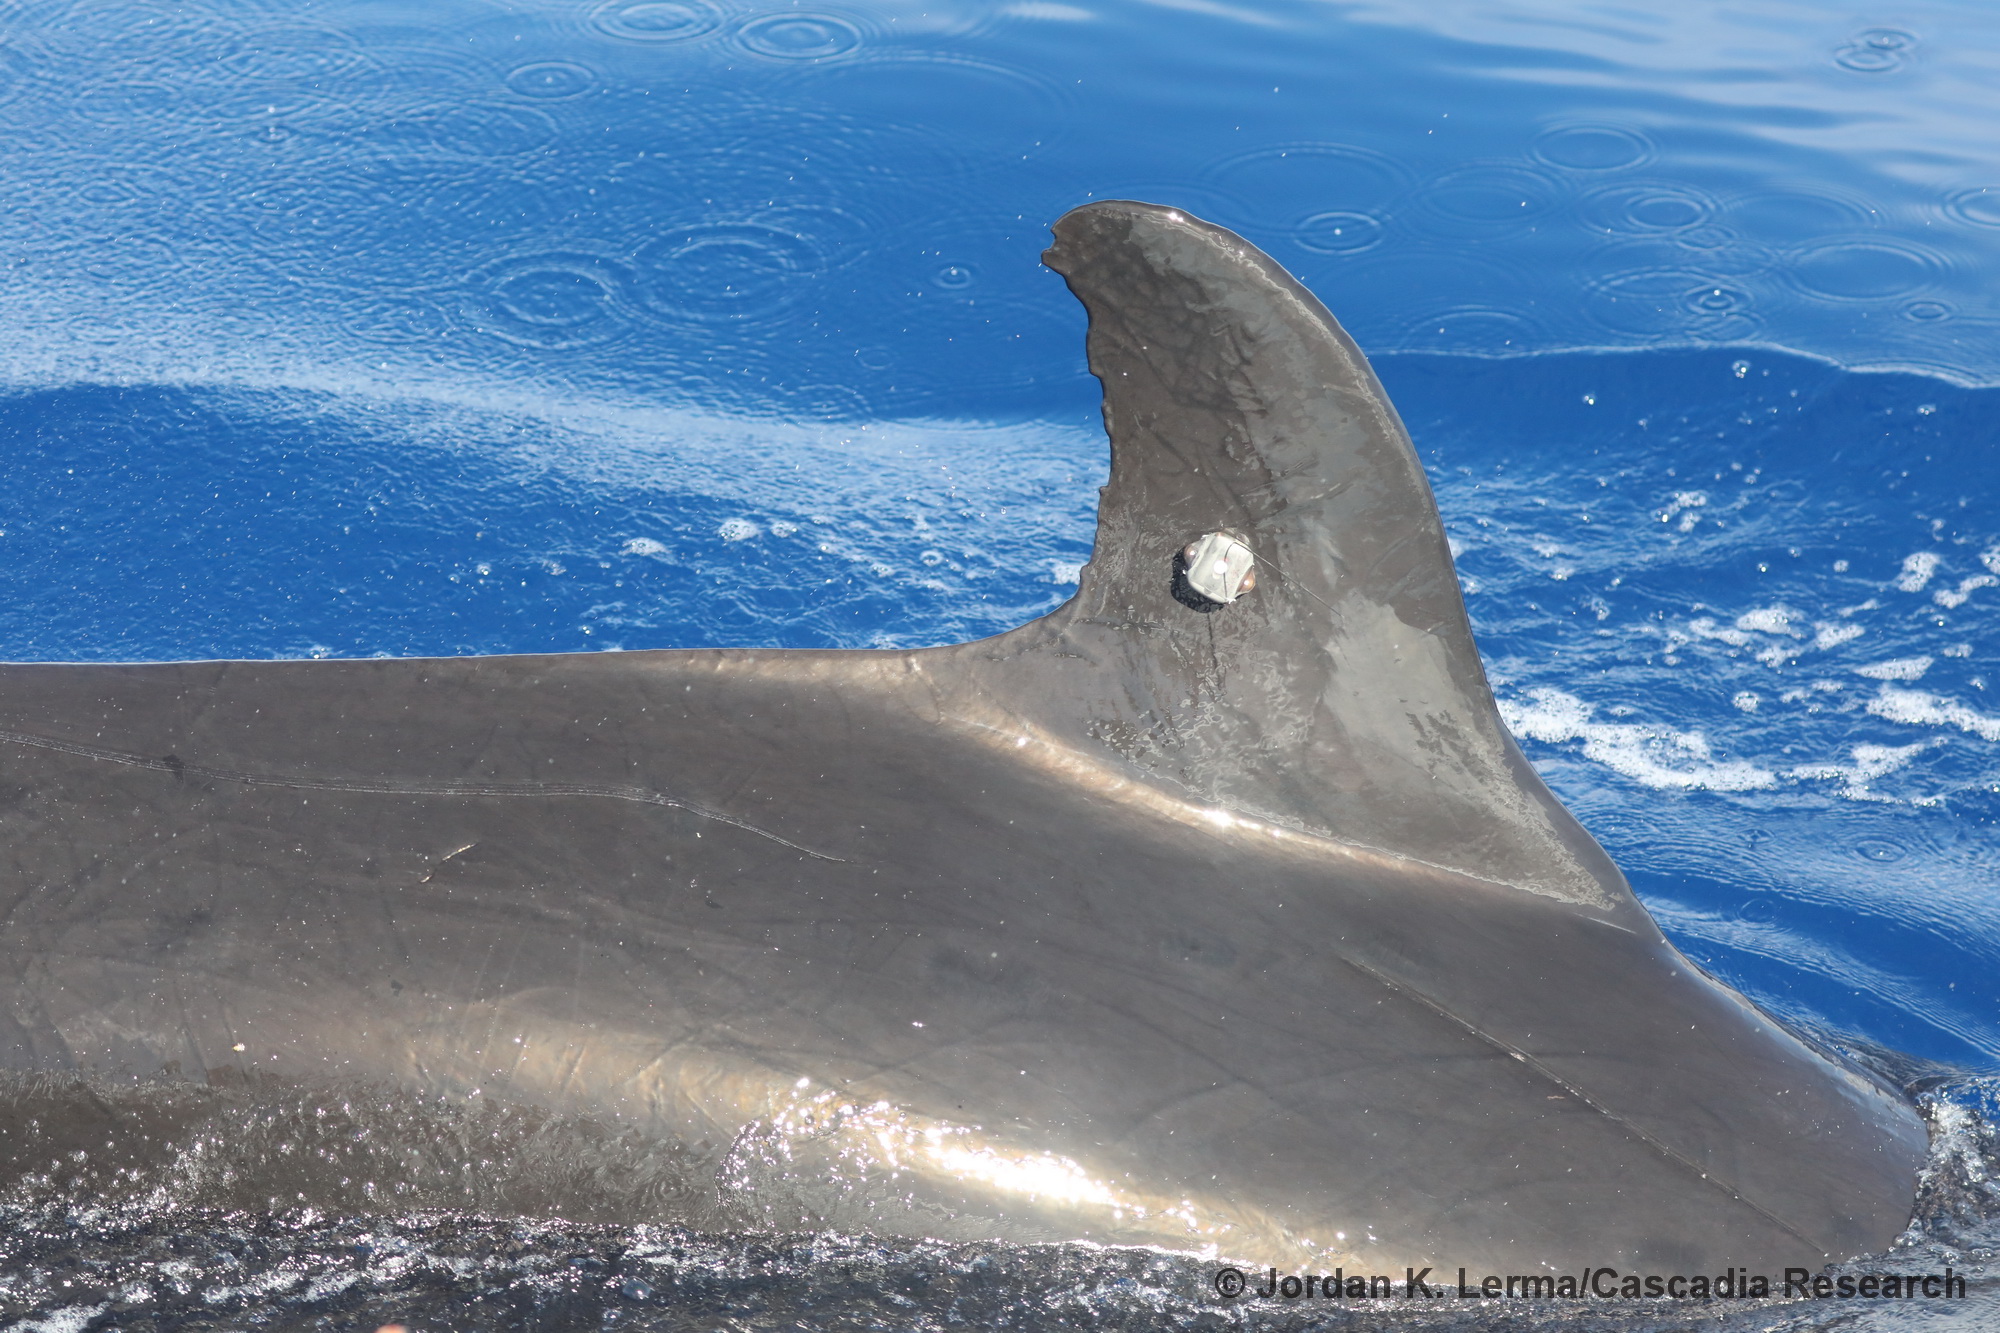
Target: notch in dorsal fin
{"type": "Point", "coordinates": [1342, 695]}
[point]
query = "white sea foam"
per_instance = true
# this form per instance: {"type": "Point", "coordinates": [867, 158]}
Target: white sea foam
{"type": "Point", "coordinates": [1902, 668]}
{"type": "Point", "coordinates": [63, 1319]}
{"type": "Point", "coordinates": [1831, 634]}
{"type": "Point", "coordinates": [1951, 600]}
{"type": "Point", "coordinates": [738, 530]}
{"type": "Point", "coordinates": [645, 546]}
{"type": "Point", "coordinates": [1917, 708]}
{"type": "Point", "coordinates": [1651, 755]}
{"type": "Point", "coordinates": [1917, 570]}
{"type": "Point", "coordinates": [1704, 627]}
{"type": "Point", "coordinates": [1767, 620]}
{"type": "Point", "coordinates": [1869, 762]}
{"type": "Point", "coordinates": [1684, 504]}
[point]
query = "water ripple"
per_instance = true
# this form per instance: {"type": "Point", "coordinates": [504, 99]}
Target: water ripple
{"type": "Point", "coordinates": [1291, 182]}
{"type": "Point", "coordinates": [1801, 211]}
{"type": "Point", "coordinates": [725, 271]}
{"type": "Point", "coordinates": [397, 75]}
{"type": "Point", "coordinates": [1339, 233]}
{"type": "Point", "coordinates": [1468, 291]}
{"type": "Point", "coordinates": [1864, 270]}
{"type": "Point", "coordinates": [1670, 302]}
{"type": "Point", "coordinates": [1979, 206]}
{"type": "Point", "coordinates": [17, 71]}
{"type": "Point", "coordinates": [291, 53]}
{"type": "Point", "coordinates": [553, 300]}
{"type": "Point", "coordinates": [142, 34]}
{"type": "Point", "coordinates": [1882, 851]}
{"type": "Point", "coordinates": [484, 130]}
{"type": "Point", "coordinates": [1483, 199]}
{"type": "Point", "coordinates": [551, 80]}
{"type": "Point", "coordinates": [955, 277]}
{"type": "Point", "coordinates": [1712, 250]}
{"type": "Point", "coordinates": [129, 260]}
{"type": "Point", "coordinates": [1646, 206]}
{"type": "Point", "coordinates": [1876, 51]}
{"type": "Point", "coordinates": [1593, 147]}
{"type": "Point", "coordinates": [1001, 113]}
{"type": "Point", "coordinates": [656, 20]}
{"type": "Point", "coordinates": [799, 36]}
{"type": "Point", "coordinates": [134, 104]}
{"type": "Point", "coordinates": [396, 321]}
{"type": "Point", "coordinates": [1477, 329]}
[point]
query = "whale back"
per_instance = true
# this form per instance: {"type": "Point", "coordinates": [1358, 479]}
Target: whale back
{"type": "Point", "coordinates": [1231, 923]}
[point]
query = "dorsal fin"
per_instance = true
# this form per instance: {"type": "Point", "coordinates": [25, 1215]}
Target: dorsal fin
{"type": "Point", "coordinates": [1342, 696]}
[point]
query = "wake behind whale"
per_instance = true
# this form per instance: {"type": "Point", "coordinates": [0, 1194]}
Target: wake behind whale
{"type": "Point", "coordinates": [1227, 923]}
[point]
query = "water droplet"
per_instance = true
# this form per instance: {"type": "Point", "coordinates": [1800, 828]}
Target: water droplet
{"type": "Point", "coordinates": [1879, 850]}
{"type": "Point", "coordinates": [1671, 301]}
{"type": "Point", "coordinates": [954, 277]}
{"type": "Point", "coordinates": [551, 80]}
{"type": "Point", "coordinates": [1876, 51]}
{"type": "Point", "coordinates": [1718, 300]}
{"type": "Point", "coordinates": [1339, 233]}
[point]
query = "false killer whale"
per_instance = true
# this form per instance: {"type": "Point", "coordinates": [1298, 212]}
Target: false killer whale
{"type": "Point", "coordinates": [1214, 910]}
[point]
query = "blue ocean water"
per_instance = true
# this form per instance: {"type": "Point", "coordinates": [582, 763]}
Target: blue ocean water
{"type": "Point", "coordinates": [350, 328]}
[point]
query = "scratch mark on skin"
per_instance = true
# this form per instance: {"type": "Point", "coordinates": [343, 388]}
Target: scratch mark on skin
{"type": "Point", "coordinates": [391, 787]}
{"type": "Point", "coordinates": [442, 859]}
{"type": "Point", "coordinates": [1572, 1090]}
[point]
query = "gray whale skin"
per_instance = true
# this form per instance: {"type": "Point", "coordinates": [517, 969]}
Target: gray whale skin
{"type": "Point", "coordinates": [1242, 929]}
